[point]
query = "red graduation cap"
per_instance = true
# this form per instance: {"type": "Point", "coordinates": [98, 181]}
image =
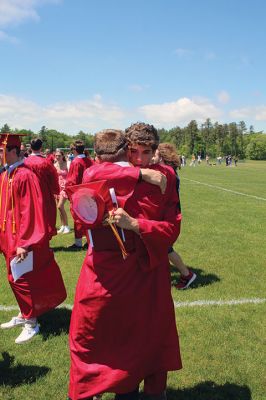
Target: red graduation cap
{"type": "Point", "coordinates": [10, 139]}
{"type": "Point", "coordinates": [90, 202]}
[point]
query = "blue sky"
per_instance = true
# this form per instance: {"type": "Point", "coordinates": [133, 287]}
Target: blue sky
{"type": "Point", "coordinates": [88, 65]}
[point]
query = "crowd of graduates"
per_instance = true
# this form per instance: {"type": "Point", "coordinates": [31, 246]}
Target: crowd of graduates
{"type": "Point", "coordinates": [126, 203]}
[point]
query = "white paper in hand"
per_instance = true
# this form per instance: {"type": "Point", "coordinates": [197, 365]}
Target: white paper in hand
{"type": "Point", "coordinates": [21, 268]}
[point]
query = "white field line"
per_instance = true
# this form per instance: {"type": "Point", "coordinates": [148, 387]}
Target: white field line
{"type": "Point", "coordinates": [197, 303]}
{"type": "Point", "coordinates": [226, 190]}
{"type": "Point", "coordinates": [200, 303]}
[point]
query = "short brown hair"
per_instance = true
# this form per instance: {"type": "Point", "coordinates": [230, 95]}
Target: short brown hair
{"type": "Point", "coordinates": [168, 153]}
{"type": "Point", "coordinates": [78, 145]}
{"type": "Point", "coordinates": [143, 134]}
{"type": "Point", "coordinates": [110, 145]}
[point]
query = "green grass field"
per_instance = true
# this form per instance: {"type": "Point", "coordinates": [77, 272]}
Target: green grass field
{"type": "Point", "coordinates": [223, 241]}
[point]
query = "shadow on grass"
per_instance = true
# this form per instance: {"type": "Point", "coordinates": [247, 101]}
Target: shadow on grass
{"type": "Point", "coordinates": [202, 279]}
{"type": "Point", "coordinates": [54, 323]}
{"type": "Point", "coordinates": [65, 248]}
{"type": "Point", "coordinates": [211, 391]}
{"type": "Point", "coordinates": [14, 375]}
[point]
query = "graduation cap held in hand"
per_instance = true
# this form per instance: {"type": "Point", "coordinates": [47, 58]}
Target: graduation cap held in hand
{"type": "Point", "coordinates": [90, 202]}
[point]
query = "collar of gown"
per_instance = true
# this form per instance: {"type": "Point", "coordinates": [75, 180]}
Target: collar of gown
{"type": "Point", "coordinates": [15, 165]}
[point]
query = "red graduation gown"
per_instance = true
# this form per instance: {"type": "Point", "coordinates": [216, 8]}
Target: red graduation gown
{"type": "Point", "coordinates": [123, 322]}
{"type": "Point", "coordinates": [43, 288]}
{"type": "Point", "coordinates": [48, 180]}
{"type": "Point", "coordinates": [74, 177]}
{"type": "Point", "coordinates": [76, 170]}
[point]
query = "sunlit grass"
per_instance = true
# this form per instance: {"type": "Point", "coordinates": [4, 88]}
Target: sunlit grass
{"type": "Point", "coordinates": [223, 240]}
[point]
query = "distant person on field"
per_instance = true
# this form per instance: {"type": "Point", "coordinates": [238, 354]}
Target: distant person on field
{"type": "Point", "coordinates": [166, 154]}
{"type": "Point", "coordinates": [219, 159]}
{"type": "Point", "coordinates": [49, 156]}
{"type": "Point", "coordinates": [61, 168]}
{"type": "Point", "coordinates": [193, 161]}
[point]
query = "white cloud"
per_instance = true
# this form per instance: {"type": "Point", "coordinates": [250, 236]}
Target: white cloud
{"type": "Point", "coordinates": [87, 115]}
{"type": "Point", "coordinates": [7, 38]}
{"type": "Point", "coordinates": [257, 113]}
{"type": "Point", "coordinates": [14, 12]}
{"type": "Point", "coordinates": [223, 97]}
{"type": "Point", "coordinates": [138, 88]}
{"type": "Point", "coordinates": [180, 52]}
{"type": "Point", "coordinates": [180, 112]}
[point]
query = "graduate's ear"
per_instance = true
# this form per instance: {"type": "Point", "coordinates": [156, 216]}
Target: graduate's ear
{"type": "Point", "coordinates": [97, 159]}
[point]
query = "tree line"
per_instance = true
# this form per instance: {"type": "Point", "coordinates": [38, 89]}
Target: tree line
{"type": "Point", "coordinates": [215, 139]}
{"type": "Point", "coordinates": [212, 139]}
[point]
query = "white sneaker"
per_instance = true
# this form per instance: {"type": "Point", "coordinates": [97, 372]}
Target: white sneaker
{"type": "Point", "coordinates": [15, 321]}
{"type": "Point", "coordinates": [61, 229]}
{"type": "Point", "coordinates": [66, 229]}
{"type": "Point", "coordinates": [27, 333]}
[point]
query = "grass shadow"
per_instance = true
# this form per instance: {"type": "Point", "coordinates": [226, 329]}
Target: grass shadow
{"type": "Point", "coordinates": [211, 391]}
{"type": "Point", "coordinates": [66, 249]}
{"type": "Point", "coordinates": [203, 279]}
{"type": "Point", "coordinates": [14, 375]}
{"type": "Point", "coordinates": [54, 323]}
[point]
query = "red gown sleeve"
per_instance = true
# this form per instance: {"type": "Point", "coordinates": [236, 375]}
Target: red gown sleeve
{"type": "Point", "coordinates": [158, 236]}
{"type": "Point", "coordinates": [31, 229]}
{"type": "Point", "coordinates": [123, 179]}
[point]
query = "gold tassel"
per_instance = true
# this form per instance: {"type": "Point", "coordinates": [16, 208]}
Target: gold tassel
{"type": "Point", "coordinates": [12, 204]}
{"type": "Point", "coordinates": [112, 225]}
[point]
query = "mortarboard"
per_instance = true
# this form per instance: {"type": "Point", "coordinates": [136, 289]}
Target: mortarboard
{"type": "Point", "coordinates": [10, 139]}
{"type": "Point", "coordinates": [90, 202]}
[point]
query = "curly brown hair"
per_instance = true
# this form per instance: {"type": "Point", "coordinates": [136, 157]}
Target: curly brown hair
{"type": "Point", "coordinates": [143, 134]}
{"type": "Point", "coordinates": [168, 154]}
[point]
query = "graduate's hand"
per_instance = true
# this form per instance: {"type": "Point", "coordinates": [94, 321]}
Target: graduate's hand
{"type": "Point", "coordinates": [21, 254]}
{"type": "Point", "coordinates": [125, 221]}
{"type": "Point", "coordinates": [155, 178]}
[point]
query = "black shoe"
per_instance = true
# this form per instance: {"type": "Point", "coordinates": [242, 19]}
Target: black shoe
{"type": "Point", "coordinates": [128, 396]}
{"type": "Point", "coordinates": [85, 247]}
{"type": "Point", "coordinates": [74, 247]}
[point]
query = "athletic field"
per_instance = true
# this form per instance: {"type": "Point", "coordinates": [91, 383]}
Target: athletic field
{"type": "Point", "coordinates": [221, 318]}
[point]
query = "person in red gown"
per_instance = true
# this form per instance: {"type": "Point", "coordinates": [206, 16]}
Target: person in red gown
{"type": "Point", "coordinates": [74, 177]}
{"type": "Point", "coordinates": [49, 156]}
{"type": "Point", "coordinates": [48, 180]}
{"type": "Point", "coordinates": [123, 327]}
{"type": "Point", "coordinates": [22, 231]}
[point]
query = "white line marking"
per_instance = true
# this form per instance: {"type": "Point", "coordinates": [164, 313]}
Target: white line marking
{"type": "Point", "coordinates": [226, 190]}
{"type": "Point", "coordinates": [196, 303]}
{"type": "Point", "coordinates": [200, 303]}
